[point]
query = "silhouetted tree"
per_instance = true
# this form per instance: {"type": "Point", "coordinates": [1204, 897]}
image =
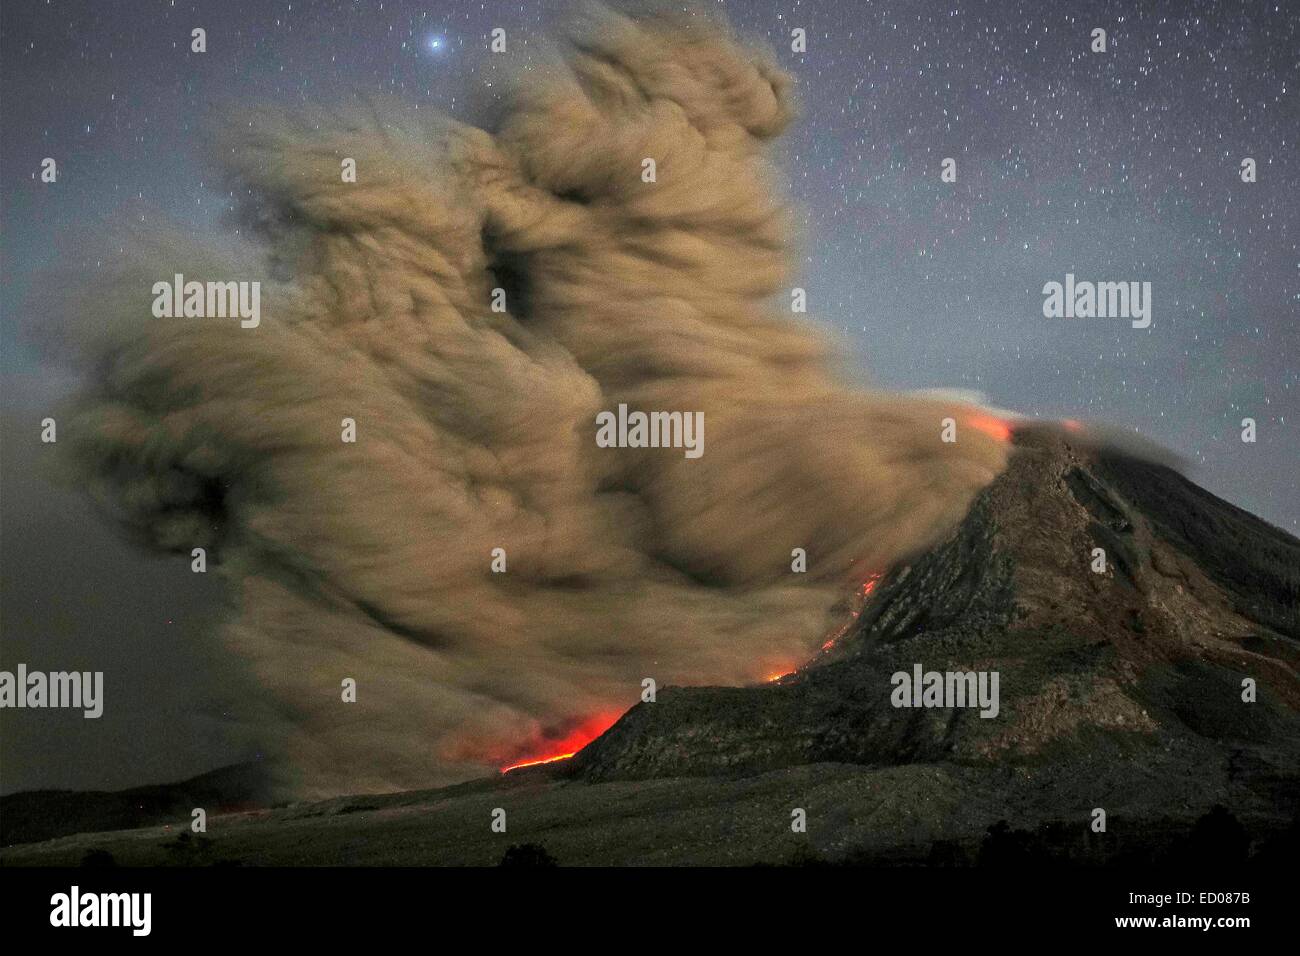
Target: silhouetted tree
{"type": "Point", "coordinates": [527, 854]}
{"type": "Point", "coordinates": [1218, 839]}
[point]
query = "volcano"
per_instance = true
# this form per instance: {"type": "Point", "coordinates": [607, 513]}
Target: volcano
{"type": "Point", "coordinates": [1159, 687]}
{"type": "Point", "coordinates": [1136, 669]}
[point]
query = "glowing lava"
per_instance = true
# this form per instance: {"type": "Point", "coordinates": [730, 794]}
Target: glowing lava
{"type": "Point", "coordinates": [538, 762]}
{"type": "Point", "coordinates": [571, 743]}
{"type": "Point", "coordinates": [859, 599]}
{"type": "Point", "coordinates": [990, 425]}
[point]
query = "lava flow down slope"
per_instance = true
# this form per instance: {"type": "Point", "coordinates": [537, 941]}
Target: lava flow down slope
{"type": "Point", "coordinates": [1166, 680]}
{"type": "Point", "coordinates": [1123, 691]}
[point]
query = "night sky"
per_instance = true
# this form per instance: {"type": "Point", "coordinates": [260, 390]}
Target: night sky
{"type": "Point", "coordinates": [1116, 166]}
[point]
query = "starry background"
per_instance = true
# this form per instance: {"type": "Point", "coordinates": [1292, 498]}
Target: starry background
{"type": "Point", "coordinates": [1115, 166]}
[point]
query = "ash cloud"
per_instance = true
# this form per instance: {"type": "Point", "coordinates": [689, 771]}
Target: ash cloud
{"type": "Point", "coordinates": [476, 430]}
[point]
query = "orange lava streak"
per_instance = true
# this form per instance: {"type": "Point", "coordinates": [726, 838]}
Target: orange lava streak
{"type": "Point", "coordinates": [990, 425]}
{"type": "Point", "coordinates": [534, 763]}
{"type": "Point", "coordinates": [569, 745]}
{"type": "Point", "coordinates": [859, 599]}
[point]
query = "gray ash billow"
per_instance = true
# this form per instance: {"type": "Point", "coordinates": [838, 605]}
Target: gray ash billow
{"type": "Point", "coordinates": [476, 429]}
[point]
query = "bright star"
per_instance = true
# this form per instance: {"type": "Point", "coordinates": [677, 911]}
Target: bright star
{"type": "Point", "coordinates": [435, 43]}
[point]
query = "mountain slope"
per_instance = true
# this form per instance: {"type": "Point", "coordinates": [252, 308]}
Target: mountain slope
{"type": "Point", "coordinates": [35, 815]}
{"type": "Point", "coordinates": [1135, 672]}
{"type": "Point", "coordinates": [1119, 691]}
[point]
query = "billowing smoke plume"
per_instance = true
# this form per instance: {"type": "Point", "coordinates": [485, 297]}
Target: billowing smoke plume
{"type": "Point", "coordinates": [475, 429]}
